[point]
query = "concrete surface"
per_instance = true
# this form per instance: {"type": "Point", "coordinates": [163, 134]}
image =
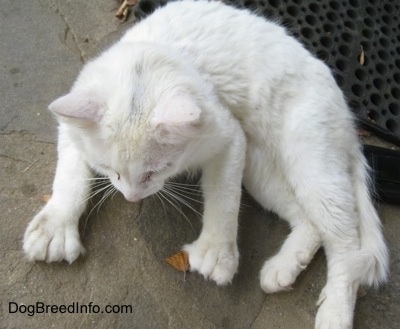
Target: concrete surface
{"type": "Point", "coordinates": [43, 46]}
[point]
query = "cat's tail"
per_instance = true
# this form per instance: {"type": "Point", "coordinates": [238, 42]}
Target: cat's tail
{"type": "Point", "coordinates": [373, 245]}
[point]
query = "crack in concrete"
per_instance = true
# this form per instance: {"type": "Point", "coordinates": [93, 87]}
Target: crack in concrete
{"type": "Point", "coordinates": [73, 43]}
{"type": "Point", "coordinates": [44, 142]}
{"type": "Point", "coordinates": [8, 133]}
{"type": "Point", "coordinates": [66, 31]}
{"type": "Point", "coordinates": [23, 134]}
{"type": "Point", "coordinates": [73, 40]}
{"type": "Point", "coordinates": [32, 266]}
{"type": "Point", "coordinates": [13, 159]}
{"type": "Point", "coordinates": [7, 124]}
{"type": "Point", "coordinates": [258, 312]}
{"type": "Point", "coordinates": [139, 211]}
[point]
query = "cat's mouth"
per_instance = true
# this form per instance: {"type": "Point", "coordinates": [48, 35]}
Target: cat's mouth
{"type": "Point", "coordinates": [137, 196]}
{"type": "Point", "coordinates": [132, 198]}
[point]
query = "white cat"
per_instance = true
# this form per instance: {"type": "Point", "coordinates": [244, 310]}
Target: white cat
{"type": "Point", "coordinates": [203, 85]}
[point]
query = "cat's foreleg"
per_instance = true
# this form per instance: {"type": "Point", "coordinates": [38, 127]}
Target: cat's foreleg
{"type": "Point", "coordinates": [215, 253]}
{"type": "Point", "coordinates": [53, 234]}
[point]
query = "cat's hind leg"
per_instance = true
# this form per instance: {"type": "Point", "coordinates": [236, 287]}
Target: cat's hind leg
{"type": "Point", "coordinates": [280, 272]}
{"type": "Point", "coordinates": [330, 206]}
{"type": "Point", "coordinates": [266, 184]}
{"type": "Point", "coordinates": [53, 234]}
{"type": "Point", "coordinates": [328, 189]}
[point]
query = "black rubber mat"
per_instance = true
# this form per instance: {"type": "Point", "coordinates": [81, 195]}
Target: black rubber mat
{"type": "Point", "coordinates": [358, 39]}
{"type": "Point", "coordinates": [385, 164]}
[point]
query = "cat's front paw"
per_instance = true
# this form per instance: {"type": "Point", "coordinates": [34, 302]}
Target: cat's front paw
{"type": "Point", "coordinates": [52, 237]}
{"type": "Point", "coordinates": [215, 260]}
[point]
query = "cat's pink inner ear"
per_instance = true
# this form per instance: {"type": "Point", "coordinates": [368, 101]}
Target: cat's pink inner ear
{"type": "Point", "coordinates": [78, 106]}
{"type": "Point", "coordinates": [177, 110]}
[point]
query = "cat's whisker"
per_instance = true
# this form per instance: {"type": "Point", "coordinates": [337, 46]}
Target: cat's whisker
{"type": "Point", "coordinates": [96, 181]}
{"type": "Point", "coordinates": [199, 185]}
{"type": "Point", "coordinates": [182, 194]}
{"type": "Point", "coordinates": [177, 187]}
{"type": "Point", "coordinates": [162, 202]}
{"type": "Point", "coordinates": [113, 195]}
{"type": "Point", "coordinates": [105, 196]}
{"type": "Point", "coordinates": [187, 189]}
{"type": "Point", "coordinates": [96, 178]}
{"type": "Point", "coordinates": [106, 191]}
{"type": "Point", "coordinates": [190, 185]}
{"type": "Point", "coordinates": [184, 184]}
{"type": "Point", "coordinates": [195, 192]}
{"type": "Point", "coordinates": [95, 186]}
{"type": "Point", "coordinates": [95, 192]}
{"type": "Point", "coordinates": [176, 206]}
{"type": "Point", "coordinates": [181, 200]}
{"type": "Point", "coordinates": [183, 189]}
{"type": "Point", "coordinates": [109, 189]}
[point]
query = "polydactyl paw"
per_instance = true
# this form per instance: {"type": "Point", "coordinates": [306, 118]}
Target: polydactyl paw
{"type": "Point", "coordinates": [51, 237]}
{"type": "Point", "coordinates": [215, 260]}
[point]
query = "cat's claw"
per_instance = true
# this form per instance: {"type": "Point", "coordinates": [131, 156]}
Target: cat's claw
{"type": "Point", "coordinates": [52, 239]}
{"type": "Point", "coordinates": [215, 261]}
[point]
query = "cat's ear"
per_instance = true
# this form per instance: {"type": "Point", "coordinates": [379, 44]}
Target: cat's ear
{"type": "Point", "coordinates": [177, 110]}
{"type": "Point", "coordinates": [81, 108]}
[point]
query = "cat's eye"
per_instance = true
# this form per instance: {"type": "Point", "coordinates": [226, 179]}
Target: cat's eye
{"type": "Point", "coordinates": [118, 176]}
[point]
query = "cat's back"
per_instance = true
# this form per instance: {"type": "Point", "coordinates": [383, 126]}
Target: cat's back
{"type": "Point", "coordinates": [238, 50]}
{"type": "Point", "coordinates": [192, 20]}
{"type": "Point", "coordinates": [207, 26]}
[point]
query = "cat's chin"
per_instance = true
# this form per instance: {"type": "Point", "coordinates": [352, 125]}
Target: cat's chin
{"type": "Point", "coordinates": [134, 198]}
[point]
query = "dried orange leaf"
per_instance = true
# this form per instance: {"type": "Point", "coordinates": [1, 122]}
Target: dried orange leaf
{"type": "Point", "coordinates": [179, 261]}
{"type": "Point", "coordinates": [122, 12]}
{"type": "Point", "coordinates": [46, 197]}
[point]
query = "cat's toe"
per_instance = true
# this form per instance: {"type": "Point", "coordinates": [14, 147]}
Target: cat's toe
{"type": "Point", "coordinates": [226, 266]}
{"type": "Point", "coordinates": [35, 245]}
{"type": "Point", "coordinates": [65, 245]}
{"type": "Point", "coordinates": [51, 241]}
{"type": "Point", "coordinates": [216, 261]}
{"type": "Point", "coordinates": [278, 275]}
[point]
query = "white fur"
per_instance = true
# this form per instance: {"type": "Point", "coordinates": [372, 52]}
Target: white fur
{"type": "Point", "coordinates": [203, 85]}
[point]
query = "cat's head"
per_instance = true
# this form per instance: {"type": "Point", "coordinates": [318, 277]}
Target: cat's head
{"type": "Point", "coordinates": [135, 122]}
